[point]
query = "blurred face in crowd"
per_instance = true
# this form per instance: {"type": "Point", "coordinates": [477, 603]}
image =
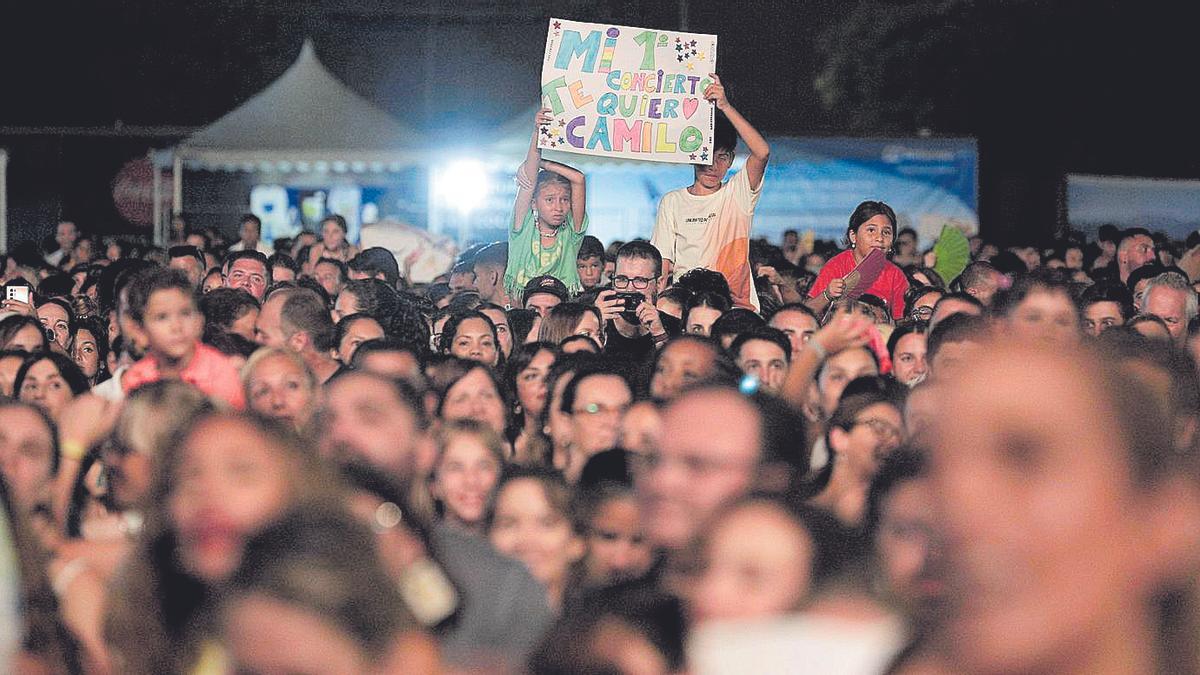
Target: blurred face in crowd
{"type": "Point", "coordinates": [189, 265]}
{"type": "Point", "coordinates": [249, 233]}
{"type": "Point", "coordinates": [529, 528]}
{"type": "Point", "coordinates": [363, 329]}
{"type": "Point", "coordinates": [332, 235]}
{"type": "Point", "coordinates": [26, 454]}
{"type": "Point", "coordinates": [268, 635]}
{"type": "Point", "coordinates": [230, 481]}
{"type": "Point", "coordinates": [542, 303]}
{"type": "Point", "coordinates": [874, 433]}
{"type": "Point", "coordinates": [280, 273]}
{"type": "Point", "coordinates": [244, 325]}
{"type": "Point", "coordinates": [797, 326]}
{"type": "Point", "coordinates": [475, 397]}
{"type": "Point", "coordinates": [213, 280]}
{"type": "Point", "coordinates": [85, 353]}
{"type": "Point", "coordinates": [171, 324]}
{"type": "Point", "coordinates": [600, 403]}
{"type": "Point", "coordinates": [9, 365]}
{"type": "Point", "coordinates": [464, 478]}
{"type": "Point", "coordinates": [701, 319]}
{"type": "Point", "coordinates": [503, 330]}
{"type": "Point", "coordinates": [1169, 304]}
{"type": "Point", "coordinates": [330, 277]}
{"type": "Point", "coordinates": [949, 306]}
{"type": "Point", "coordinates": [756, 563]}
{"type": "Point", "coordinates": [908, 362]}
{"type": "Point", "coordinates": [838, 371]}
{"type": "Point", "coordinates": [364, 419]}
{"type": "Point", "coordinates": [54, 317]}
{"type": "Point", "coordinates": [766, 361]}
{"type": "Point", "coordinates": [1074, 258]}
{"type": "Point", "coordinates": [590, 270]}
{"type": "Point", "coordinates": [1046, 315]}
{"type": "Point", "coordinates": [531, 383]}
{"type": "Point", "coordinates": [346, 304]}
{"type": "Point", "coordinates": [907, 551]}
{"type": "Point", "coordinates": [474, 340]}
{"type": "Point", "coordinates": [29, 339]}
{"type": "Point", "coordinates": [45, 388]}
{"type": "Point", "coordinates": [1053, 549]}
{"type": "Point", "coordinates": [641, 428]}
{"type": "Point", "coordinates": [65, 235]}
{"type": "Point", "coordinates": [616, 547]}
{"type": "Point", "coordinates": [589, 327]}
{"type": "Point", "coordinates": [278, 387]}
{"type": "Point", "coordinates": [268, 325]}
{"type": "Point", "coordinates": [249, 275]}
{"type": "Point", "coordinates": [681, 363]}
{"type": "Point", "coordinates": [1100, 316]}
{"type": "Point", "coordinates": [1136, 253]}
{"type": "Point", "coordinates": [708, 455]}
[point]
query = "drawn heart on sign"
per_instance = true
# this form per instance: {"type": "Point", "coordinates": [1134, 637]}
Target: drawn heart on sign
{"type": "Point", "coordinates": [689, 107]}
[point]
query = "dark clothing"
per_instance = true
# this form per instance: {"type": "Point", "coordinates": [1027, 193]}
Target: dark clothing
{"type": "Point", "coordinates": [634, 357]}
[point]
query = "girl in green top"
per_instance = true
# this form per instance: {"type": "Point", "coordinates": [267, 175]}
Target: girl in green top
{"type": "Point", "coordinates": [549, 219]}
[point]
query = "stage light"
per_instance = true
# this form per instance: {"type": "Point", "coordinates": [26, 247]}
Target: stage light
{"type": "Point", "coordinates": [463, 185]}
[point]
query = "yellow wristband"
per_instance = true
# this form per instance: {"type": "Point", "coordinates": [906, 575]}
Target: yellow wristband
{"type": "Point", "coordinates": [72, 450]}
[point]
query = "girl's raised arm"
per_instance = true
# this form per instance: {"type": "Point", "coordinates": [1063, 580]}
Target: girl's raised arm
{"type": "Point", "coordinates": [528, 171]}
{"type": "Point", "coordinates": [578, 189]}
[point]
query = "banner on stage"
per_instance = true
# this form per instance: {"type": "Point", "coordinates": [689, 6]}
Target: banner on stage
{"type": "Point", "coordinates": [633, 93]}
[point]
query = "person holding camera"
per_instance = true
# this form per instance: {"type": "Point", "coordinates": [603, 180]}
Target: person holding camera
{"type": "Point", "coordinates": [635, 327]}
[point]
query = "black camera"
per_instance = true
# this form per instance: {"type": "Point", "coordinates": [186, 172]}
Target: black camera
{"type": "Point", "coordinates": [632, 300]}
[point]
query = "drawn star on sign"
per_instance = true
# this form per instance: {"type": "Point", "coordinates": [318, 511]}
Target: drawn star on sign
{"type": "Point", "coordinates": [557, 25]}
{"type": "Point", "coordinates": [692, 156]}
{"type": "Point", "coordinates": [704, 155]}
{"type": "Point", "coordinates": [562, 123]}
{"type": "Point", "coordinates": [680, 57]}
{"type": "Point", "coordinates": [691, 66]}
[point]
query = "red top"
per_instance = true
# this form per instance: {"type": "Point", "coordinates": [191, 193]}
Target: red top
{"type": "Point", "coordinates": [891, 284]}
{"type": "Point", "coordinates": [210, 371]}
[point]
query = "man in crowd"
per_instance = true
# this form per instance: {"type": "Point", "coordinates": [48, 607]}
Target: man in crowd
{"type": "Point", "coordinates": [65, 236]}
{"type": "Point", "coordinates": [250, 235]}
{"type": "Point", "coordinates": [248, 270]}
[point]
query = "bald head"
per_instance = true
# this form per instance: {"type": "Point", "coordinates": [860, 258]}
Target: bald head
{"type": "Point", "coordinates": [708, 456]}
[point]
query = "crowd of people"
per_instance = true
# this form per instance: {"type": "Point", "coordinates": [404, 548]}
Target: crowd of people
{"type": "Point", "coordinates": [701, 452]}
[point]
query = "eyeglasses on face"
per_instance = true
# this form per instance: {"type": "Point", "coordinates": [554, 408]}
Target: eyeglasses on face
{"type": "Point", "coordinates": [640, 283]}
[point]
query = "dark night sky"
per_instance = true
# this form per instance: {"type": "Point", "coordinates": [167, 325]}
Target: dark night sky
{"type": "Point", "coordinates": [1047, 87]}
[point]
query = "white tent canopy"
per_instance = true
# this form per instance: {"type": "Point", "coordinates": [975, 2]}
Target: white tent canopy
{"type": "Point", "coordinates": [305, 119]}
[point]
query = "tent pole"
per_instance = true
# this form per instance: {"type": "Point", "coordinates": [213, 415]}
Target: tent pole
{"type": "Point", "coordinates": [156, 210]}
{"type": "Point", "coordinates": [177, 181]}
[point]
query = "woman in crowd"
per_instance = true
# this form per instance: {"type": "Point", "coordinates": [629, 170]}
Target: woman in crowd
{"type": "Point", "coordinates": [467, 389]}
{"type": "Point", "coordinates": [226, 478]}
{"type": "Point", "coordinates": [702, 310]}
{"type": "Point", "coordinates": [24, 333]}
{"type": "Point", "coordinates": [572, 318]}
{"type": "Point", "coordinates": [525, 381]}
{"type": "Point", "coordinates": [617, 549]}
{"type": "Point", "coordinates": [866, 426]}
{"type": "Point", "coordinates": [472, 335]}
{"type": "Point", "coordinates": [89, 348]}
{"type": "Point", "coordinates": [352, 331]}
{"type": "Point", "coordinates": [50, 381]}
{"type": "Point", "coordinates": [872, 228]}
{"type": "Point", "coordinates": [470, 457]}
{"type": "Point", "coordinates": [280, 386]}
{"type": "Point", "coordinates": [534, 521]}
{"type": "Point", "coordinates": [333, 242]}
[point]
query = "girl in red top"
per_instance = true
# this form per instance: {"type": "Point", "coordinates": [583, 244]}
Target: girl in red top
{"type": "Point", "coordinates": [872, 226]}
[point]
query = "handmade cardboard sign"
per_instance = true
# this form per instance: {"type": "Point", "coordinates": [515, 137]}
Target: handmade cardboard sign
{"type": "Point", "coordinates": [616, 91]}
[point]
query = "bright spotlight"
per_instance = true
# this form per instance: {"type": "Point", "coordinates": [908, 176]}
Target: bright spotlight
{"type": "Point", "coordinates": [463, 184]}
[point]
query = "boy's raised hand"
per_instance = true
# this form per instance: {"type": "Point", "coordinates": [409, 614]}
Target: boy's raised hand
{"type": "Point", "coordinates": [715, 92]}
{"type": "Point", "coordinates": [543, 117]}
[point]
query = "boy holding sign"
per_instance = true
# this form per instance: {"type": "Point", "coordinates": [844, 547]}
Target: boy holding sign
{"type": "Point", "coordinates": [707, 224]}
